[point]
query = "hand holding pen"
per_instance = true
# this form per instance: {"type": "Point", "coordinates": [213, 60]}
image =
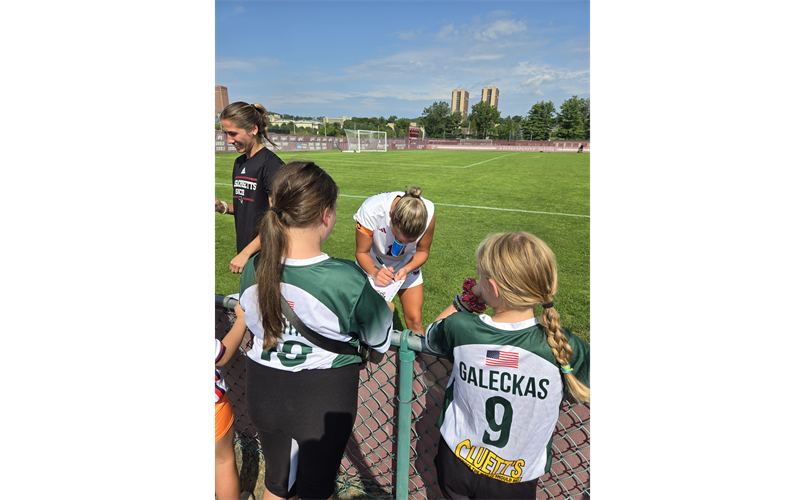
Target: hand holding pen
{"type": "Point", "coordinates": [385, 275]}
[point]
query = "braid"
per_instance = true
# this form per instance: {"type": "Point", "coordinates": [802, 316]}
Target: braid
{"type": "Point", "coordinates": [563, 353]}
{"type": "Point", "coordinates": [556, 339]}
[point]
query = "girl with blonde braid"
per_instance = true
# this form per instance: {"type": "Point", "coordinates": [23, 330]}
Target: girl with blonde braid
{"type": "Point", "coordinates": [509, 372]}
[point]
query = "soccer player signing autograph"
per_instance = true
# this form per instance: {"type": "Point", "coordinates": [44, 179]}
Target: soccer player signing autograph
{"type": "Point", "coordinates": [393, 235]}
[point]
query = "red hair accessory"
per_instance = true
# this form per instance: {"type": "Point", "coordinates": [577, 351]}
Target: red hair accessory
{"type": "Point", "coordinates": [469, 298]}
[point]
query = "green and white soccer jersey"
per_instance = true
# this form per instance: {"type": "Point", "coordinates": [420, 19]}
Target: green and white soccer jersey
{"type": "Point", "coordinates": [332, 297]}
{"type": "Point", "coordinates": [502, 400]}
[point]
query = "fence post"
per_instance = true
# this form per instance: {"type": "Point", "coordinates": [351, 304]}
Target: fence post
{"type": "Point", "coordinates": [404, 397]}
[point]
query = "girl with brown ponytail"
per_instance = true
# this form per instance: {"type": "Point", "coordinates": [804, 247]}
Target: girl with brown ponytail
{"type": "Point", "coordinates": [509, 372]}
{"type": "Point", "coordinates": [303, 398]}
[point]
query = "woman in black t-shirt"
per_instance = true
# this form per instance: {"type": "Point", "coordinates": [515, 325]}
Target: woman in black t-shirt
{"type": "Point", "coordinates": [245, 128]}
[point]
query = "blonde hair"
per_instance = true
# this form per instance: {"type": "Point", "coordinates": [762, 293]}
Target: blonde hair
{"type": "Point", "coordinates": [246, 116]}
{"type": "Point", "coordinates": [410, 214]}
{"type": "Point", "coordinates": [302, 191]}
{"type": "Point", "coordinates": [524, 270]}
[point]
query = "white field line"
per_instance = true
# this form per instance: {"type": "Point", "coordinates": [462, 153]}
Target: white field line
{"type": "Point", "coordinates": [448, 204]}
{"type": "Point", "coordinates": [497, 158]}
{"type": "Point", "coordinates": [461, 206]}
{"type": "Point", "coordinates": [485, 208]}
{"type": "Point", "coordinates": [382, 164]}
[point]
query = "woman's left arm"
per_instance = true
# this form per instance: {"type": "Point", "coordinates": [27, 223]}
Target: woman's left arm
{"type": "Point", "coordinates": [421, 255]}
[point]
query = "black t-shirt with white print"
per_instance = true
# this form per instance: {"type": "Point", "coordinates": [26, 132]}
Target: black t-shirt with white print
{"type": "Point", "coordinates": [251, 182]}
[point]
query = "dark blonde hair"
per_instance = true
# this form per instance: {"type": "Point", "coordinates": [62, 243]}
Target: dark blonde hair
{"type": "Point", "coordinates": [246, 116]}
{"type": "Point", "coordinates": [410, 215]}
{"type": "Point", "coordinates": [302, 191]}
{"type": "Point", "coordinates": [524, 270]}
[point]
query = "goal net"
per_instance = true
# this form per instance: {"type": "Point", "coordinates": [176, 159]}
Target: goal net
{"type": "Point", "coordinates": [362, 141]}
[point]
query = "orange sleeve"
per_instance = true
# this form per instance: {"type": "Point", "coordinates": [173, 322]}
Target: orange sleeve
{"type": "Point", "coordinates": [363, 229]}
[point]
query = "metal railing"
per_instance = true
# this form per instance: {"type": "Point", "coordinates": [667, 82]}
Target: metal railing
{"type": "Point", "coordinates": [400, 398]}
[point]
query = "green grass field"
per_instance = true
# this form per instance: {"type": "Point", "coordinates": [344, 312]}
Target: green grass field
{"type": "Point", "coordinates": [547, 194]}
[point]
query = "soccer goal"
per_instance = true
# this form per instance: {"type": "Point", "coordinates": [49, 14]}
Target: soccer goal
{"type": "Point", "coordinates": [362, 141]}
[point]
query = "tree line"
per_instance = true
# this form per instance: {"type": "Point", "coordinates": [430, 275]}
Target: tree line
{"type": "Point", "coordinates": [542, 123]}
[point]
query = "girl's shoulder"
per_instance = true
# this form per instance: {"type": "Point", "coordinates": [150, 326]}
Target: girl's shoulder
{"type": "Point", "coordinates": [347, 267]}
{"type": "Point", "coordinates": [326, 273]}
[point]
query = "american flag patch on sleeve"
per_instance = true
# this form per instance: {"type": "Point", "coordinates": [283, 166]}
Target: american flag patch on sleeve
{"type": "Point", "coordinates": [502, 358]}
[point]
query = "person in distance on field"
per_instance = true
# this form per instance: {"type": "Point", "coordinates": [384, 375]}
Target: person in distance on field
{"type": "Point", "coordinates": [245, 127]}
{"type": "Point", "coordinates": [509, 371]}
{"type": "Point", "coordinates": [393, 235]}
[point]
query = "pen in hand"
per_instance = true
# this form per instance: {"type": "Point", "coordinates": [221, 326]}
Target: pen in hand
{"type": "Point", "coordinates": [386, 268]}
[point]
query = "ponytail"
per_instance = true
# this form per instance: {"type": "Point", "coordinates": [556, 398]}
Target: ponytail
{"type": "Point", "coordinates": [301, 193]}
{"type": "Point", "coordinates": [262, 125]}
{"type": "Point", "coordinates": [273, 246]}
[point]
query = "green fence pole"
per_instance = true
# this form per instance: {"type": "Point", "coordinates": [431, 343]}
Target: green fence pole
{"type": "Point", "coordinates": [404, 397]}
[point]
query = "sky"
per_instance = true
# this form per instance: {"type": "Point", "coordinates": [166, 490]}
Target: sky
{"type": "Point", "coordinates": [384, 58]}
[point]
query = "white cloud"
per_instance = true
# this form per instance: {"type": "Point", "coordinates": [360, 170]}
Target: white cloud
{"type": "Point", "coordinates": [234, 64]}
{"type": "Point", "coordinates": [249, 65]}
{"type": "Point", "coordinates": [239, 9]}
{"type": "Point", "coordinates": [447, 31]}
{"type": "Point", "coordinates": [540, 76]}
{"type": "Point", "coordinates": [499, 29]}
{"type": "Point", "coordinates": [407, 35]}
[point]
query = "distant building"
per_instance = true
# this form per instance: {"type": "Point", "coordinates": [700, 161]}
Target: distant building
{"type": "Point", "coordinates": [276, 121]}
{"type": "Point", "coordinates": [490, 96]}
{"type": "Point", "coordinates": [336, 120]}
{"type": "Point", "coordinates": [221, 99]}
{"type": "Point", "coordinates": [460, 102]}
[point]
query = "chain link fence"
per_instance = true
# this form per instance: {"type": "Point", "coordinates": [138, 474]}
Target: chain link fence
{"type": "Point", "coordinates": [401, 394]}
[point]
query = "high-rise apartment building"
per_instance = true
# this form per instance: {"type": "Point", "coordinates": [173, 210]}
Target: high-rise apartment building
{"type": "Point", "coordinates": [490, 95]}
{"type": "Point", "coordinates": [221, 99]}
{"type": "Point", "coordinates": [460, 103]}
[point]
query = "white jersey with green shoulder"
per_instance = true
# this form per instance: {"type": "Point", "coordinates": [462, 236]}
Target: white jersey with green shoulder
{"type": "Point", "coordinates": [503, 397]}
{"type": "Point", "coordinates": [333, 298]}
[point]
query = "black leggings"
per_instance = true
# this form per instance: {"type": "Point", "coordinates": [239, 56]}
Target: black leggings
{"type": "Point", "coordinates": [315, 408]}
